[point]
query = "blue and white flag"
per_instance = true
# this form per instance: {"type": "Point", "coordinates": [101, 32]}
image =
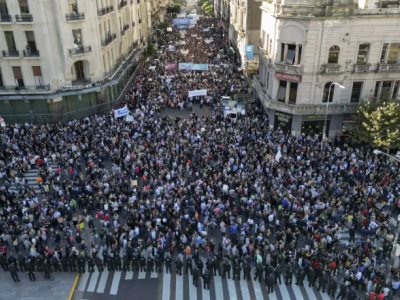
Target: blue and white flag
{"type": "Point", "coordinates": [121, 112]}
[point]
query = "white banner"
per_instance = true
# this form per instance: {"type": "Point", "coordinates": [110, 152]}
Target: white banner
{"type": "Point", "coordinates": [196, 93]}
{"type": "Point", "coordinates": [121, 112]}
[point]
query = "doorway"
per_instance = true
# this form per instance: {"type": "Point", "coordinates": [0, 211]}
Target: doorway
{"type": "Point", "coordinates": [79, 71]}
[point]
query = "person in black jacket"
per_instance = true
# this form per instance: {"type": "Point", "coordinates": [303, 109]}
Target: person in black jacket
{"type": "Point", "coordinates": [270, 281]}
{"type": "Point", "coordinates": [30, 269]}
{"type": "Point", "coordinates": [226, 267]}
{"type": "Point", "coordinates": [179, 265]}
{"type": "Point", "coordinates": [206, 279]}
{"type": "Point", "coordinates": [13, 271]}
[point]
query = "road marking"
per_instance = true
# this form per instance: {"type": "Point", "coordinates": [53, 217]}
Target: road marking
{"type": "Point", "coordinates": [192, 288]}
{"type": "Point", "coordinates": [284, 291]}
{"type": "Point", "coordinates": [297, 291]}
{"type": "Point", "coordinates": [153, 275]}
{"type": "Point", "coordinates": [272, 296]}
{"type": "Point", "coordinates": [231, 289]}
{"type": "Point", "coordinates": [325, 296]}
{"type": "Point", "coordinates": [129, 275]}
{"type": "Point", "coordinates": [93, 281]}
{"type": "Point", "coordinates": [179, 287]}
{"type": "Point", "coordinates": [258, 291]}
{"type": "Point", "coordinates": [166, 286]}
{"type": "Point", "coordinates": [73, 287]}
{"type": "Point", "coordinates": [115, 283]}
{"type": "Point", "coordinates": [102, 284]}
{"type": "Point", "coordinates": [219, 293]}
{"type": "Point", "coordinates": [83, 281]}
{"type": "Point", "coordinates": [245, 289]}
{"type": "Point", "coordinates": [310, 291]}
{"type": "Point", "coordinates": [142, 275]}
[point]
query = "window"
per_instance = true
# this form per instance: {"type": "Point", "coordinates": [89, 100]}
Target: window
{"type": "Point", "coordinates": [326, 92]}
{"type": "Point", "coordinates": [23, 6]}
{"type": "Point", "coordinates": [10, 40]}
{"type": "Point", "coordinates": [30, 40]}
{"type": "Point", "coordinates": [72, 7]}
{"type": "Point", "coordinates": [77, 34]}
{"type": "Point", "coordinates": [290, 53]}
{"type": "Point", "coordinates": [333, 57]}
{"type": "Point", "coordinates": [363, 51]}
{"type": "Point", "coordinates": [281, 96]}
{"type": "Point", "coordinates": [1, 79]}
{"type": "Point", "coordinates": [384, 52]}
{"type": "Point", "coordinates": [356, 91]}
{"type": "Point", "coordinates": [19, 81]}
{"type": "Point", "coordinates": [386, 90]}
{"type": "Point", "coordinates": [293, 92]}
{"type": "Point", "coordinates": [37, 75]}
{"type": "Point", "coordinates": [393, 55]}
{"type": "Point", "coordinates": [3, 8]}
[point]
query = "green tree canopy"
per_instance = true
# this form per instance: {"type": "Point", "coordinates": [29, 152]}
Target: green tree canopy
{"type": "Point", "coordinates": [378, 124]}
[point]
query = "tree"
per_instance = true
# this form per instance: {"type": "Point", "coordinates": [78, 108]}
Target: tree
{"type": "Point", "coordinates": [378, 124]}
{"type": "Point", "coordinates": [175, 9]}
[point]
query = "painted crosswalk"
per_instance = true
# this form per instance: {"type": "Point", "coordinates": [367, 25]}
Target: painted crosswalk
{"type": "Point", "coordinates": [175, 287]}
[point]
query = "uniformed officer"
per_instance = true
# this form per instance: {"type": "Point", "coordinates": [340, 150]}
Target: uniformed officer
{"type": "Point", "coordinates": [300, 276]}
{"type": "Point", "coordinates": [259, 272]}
{"type": "Point", "coordinates": [168, 262]}
{"type": "Point", "coordinates": [21, 262]}
{"type": "Point", "coordinates": [71, 263]}
{"type": "Point", "coordinates": [227, 268]}
{"type": "Point", "coordinates": [90, 264]}
{"type": "Point", "coordinates": [188, 264]}
{"type": "Point", "coordinates": [322, 280]}
{"type": "Point", "coordinates": [179, 265]}
{"type": "Point", "coordinates": [215, 264]}
{"type": "Point", "coordinates": [46, 269]}
{"type": "Point", "coordinates": [332, 286]}
{"type": "Point", "coordinates": [135, 262]}
{"type": "Point", "coordinates": [99, 264]}
{"type": "Point", "coordinates": [81, 263]}
{"type": "Point", "coordinates": [159, 263]}
{"type": "Point", "coordinates": [117, 262]}
{"type": "Point", "coordinates": [64, 263]}
{"type": "Point", "coordinates": [206, 279]}
{"type": "Point", "coordinates": [150, 264]}
{"type": "Point", "coordinates": [246, 271]}
{"type": "Point", "coordinates": [30, 269]}
{"type": "Point", "coordinates": [289, 274]}
{"type": "Point", "coordinates": [142, 260]}
{"type": "Point", "coordinates": [311, 277]}
{"type": "Point", "coordinates": [236, 271]}
{"type": "Point", "coordinates": [126, 263]}
{"type": "Point", "coordinates": [196, 275]}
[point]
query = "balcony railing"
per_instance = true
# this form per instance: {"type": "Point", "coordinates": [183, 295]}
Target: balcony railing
{"type": "Point", "coordinates": [108, 39]}
{"type": "Point", "coordinates": [5, 19]}
{"type": "Point", "coordinates": [389, 67]}
{"type": "Point", "coordinates": [75, 16]}
{"type": "Point", "coordinates": [105, 10]}
{"type": "Point", "coordinates": [122, 4]}
{"type": "Point", "coordinates": [44, 87]}
{"type": "Point", "coordinates": [25, 18]}
{"type": "Point", "coordinates": [31, 53]}
{"type": "Point", "coordinates": [291, 69]}
{"type": "Point", "coordinates": [124, 29]}
{"type": "Point", "coordinates": [330, 68]}
{"type": "Point", "coordinates": [10, 53]}
{"type": "Point", "coordinates": [361, 68]}
{"type": "Point", "coordinates": [303, 109]}
{"type": "Point", "coordinates": [80, 50]}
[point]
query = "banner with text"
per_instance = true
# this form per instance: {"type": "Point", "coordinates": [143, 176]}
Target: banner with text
{"type": "Point", "coordinates": [121, 112]}
{"type": "Point", "coordinates": [193, 67]}
{"type": "Point", "coordinates": [196, 93]}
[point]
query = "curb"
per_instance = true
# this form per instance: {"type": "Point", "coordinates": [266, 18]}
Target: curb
{"type": "Point", "coordinates": [72, 291]}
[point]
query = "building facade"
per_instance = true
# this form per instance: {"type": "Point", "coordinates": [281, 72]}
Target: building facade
{"type": "Point", "coordinates": [60, 57]}
{"type": "Point", "coordinates": [305, 46]}
{"type": "Point", "coordinates": [244, 32]}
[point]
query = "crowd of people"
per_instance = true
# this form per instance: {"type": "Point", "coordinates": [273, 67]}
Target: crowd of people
{"type": "Point", "coordinates": [197, 194]}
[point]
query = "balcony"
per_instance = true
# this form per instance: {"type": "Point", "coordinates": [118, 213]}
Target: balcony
{"type": "Point", "coordinates": [10, 53]}
{"type": "Point", "coordinates": [122, 4]}
{"type": "Point", "coordinates": [389, 67]}
{"type": "Point", "coordinates": [361, 68]}
{"type": "Point", "coordinates": [80, 50]}
{"type": "Point", "coordinates": [5, 19]}
{"type": "Point", "coordinates": [27, 88]}
{"type": "Point", "coordinates": [108, 39]}
{"type": "Point", "coordinates": [290, 69]}
{"type": "Point", "coordinates": [75, 17]}
{"type": "Point", "coordinates": [105, 10]}
{"type": "Point", "coordinates": [303, 109]}
{"type": "Point", "coordinates": [330, 68]}
{"type": "Point", "coordinates": [31, 53]}
{"type": "Point", "coordinates": [124, 29]}
{"type": "Point", "coordinates": [25, 18]}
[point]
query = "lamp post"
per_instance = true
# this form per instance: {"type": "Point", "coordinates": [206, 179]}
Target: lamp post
{"type": "Point", "coordinates": [327, 105]}
{"type": "Point", "coordinates": [377, 152]}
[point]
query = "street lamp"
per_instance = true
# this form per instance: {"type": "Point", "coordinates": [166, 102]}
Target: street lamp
{"type": "Point", "coordinates": [377, 152]}
{"type": "Point", "coordinates": [327, 105]}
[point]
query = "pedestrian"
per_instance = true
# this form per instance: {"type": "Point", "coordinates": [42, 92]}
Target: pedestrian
{"type": "Point", "coordinates": [30, 269]}
{"type": "Point", "coordinates": [13, 271]}
{"type": "Point", "coordinates": [206, 279]}
{"type": "Point", "coordinates": [270, 281]}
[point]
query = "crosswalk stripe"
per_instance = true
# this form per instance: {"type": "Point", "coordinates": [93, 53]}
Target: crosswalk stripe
{"type": "Point", "coordinates": [115, 283]}
{"type": "Point", "coordinates": [179, 287]}
{"type": "Point", "coordinates": [284, 291]}
{"type": "Point", "coordinates": [297, 291]}
{"type": "Point", "coordinates": [93, 281]}
{"type": "Point", "coordinates": [245, 289]}
{"type": "Point", "coordinates": [83, 281]}
{"type": "Point", "coordinates": [192, 288]}
{"type": "Point", "coordinates": [142, 275]}
{"type": "Point", "coordinates": [310, 291]}
{"type": "Point", "coordinates": [166, 286]}
{"type": "Point", "coordinates": [232, 289]}
{"type": "Point", "coordinates": [218, 288]}
{"type": "Point", "coordinates": [129, 275]}
{"type": "Point", "coordinates": [206, 294]}
{"type": "Point", "coordinates": [153, 275]}
{"type": "Point", "coordinates": [273, 296]}
{"type": "Point", "coordinates": [325, 296]}
{"type": "Point", "coordinates": [102, 284]}
{"type": "Point", "coordinates": [257, 290]}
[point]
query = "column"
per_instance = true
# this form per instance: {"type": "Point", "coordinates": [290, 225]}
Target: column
{"type": "Point", "coordinates": [287, 91]}
{"type": "Point", "coordinates": [285, 52]}
{"type": "Point", "coordinates": [297, 62]}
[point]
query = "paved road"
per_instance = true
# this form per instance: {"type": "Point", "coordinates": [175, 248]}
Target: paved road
{"type": "Point", "coordinates": [163, 286]}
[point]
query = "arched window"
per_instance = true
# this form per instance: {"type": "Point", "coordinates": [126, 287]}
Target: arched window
{"type": "Point", "coordinates": [333, 57]}
{"type": "Point", "coordinates": [326, 92]}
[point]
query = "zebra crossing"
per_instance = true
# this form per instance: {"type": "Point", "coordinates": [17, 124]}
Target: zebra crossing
{"type": "Point", "coordinates": [175, 287]}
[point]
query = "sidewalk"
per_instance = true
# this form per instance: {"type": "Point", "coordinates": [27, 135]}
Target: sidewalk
{"type": "Point", "coordinates": [57, 287]}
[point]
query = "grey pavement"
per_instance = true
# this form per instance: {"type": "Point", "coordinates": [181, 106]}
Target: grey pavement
{"type": "Point", "coordinates": [57, 287]}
